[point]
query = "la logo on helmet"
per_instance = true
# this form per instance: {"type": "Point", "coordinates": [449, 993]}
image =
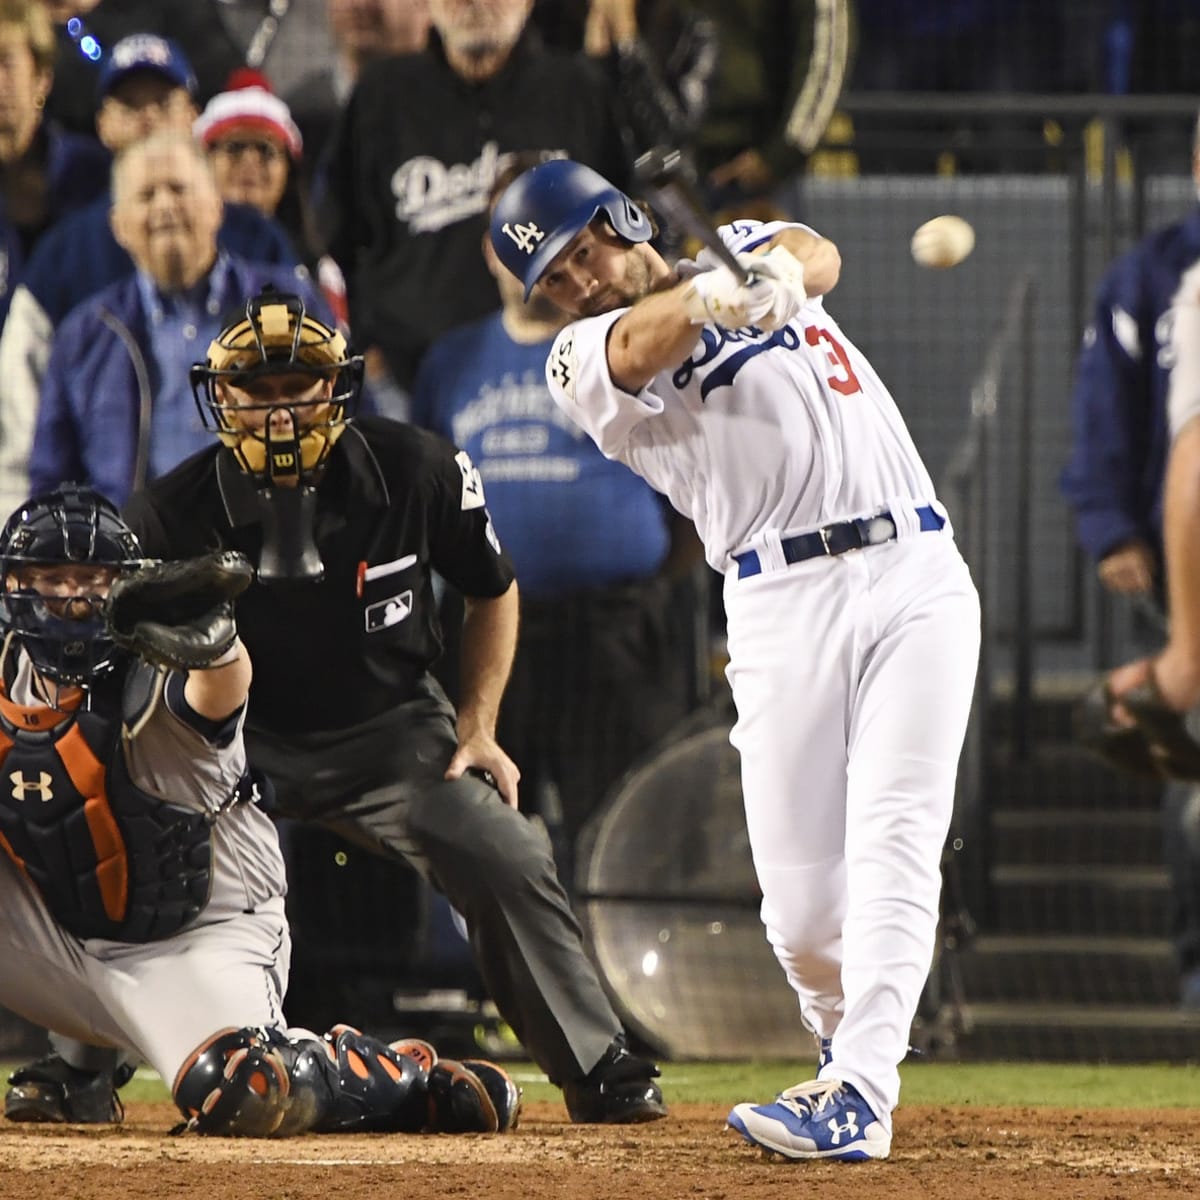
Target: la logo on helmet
{"type": "Point", "coordinates": [526, 237]}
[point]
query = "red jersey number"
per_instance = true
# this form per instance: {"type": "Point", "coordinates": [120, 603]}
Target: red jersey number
{"type": "Point", "coordinates": [843, 378]}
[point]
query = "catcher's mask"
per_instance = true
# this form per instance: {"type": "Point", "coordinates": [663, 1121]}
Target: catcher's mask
{"type": "Point", "coordinates": [275, 335]}
{"type": "Point", "coordinates": [70, 526]}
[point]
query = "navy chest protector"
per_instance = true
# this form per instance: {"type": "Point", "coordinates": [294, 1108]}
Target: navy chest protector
{"type": "Point", "coordinates": [109, 860]}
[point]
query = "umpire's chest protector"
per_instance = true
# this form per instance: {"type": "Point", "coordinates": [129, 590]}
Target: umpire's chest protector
{"type": "Point", "coordinates": [109, 860]}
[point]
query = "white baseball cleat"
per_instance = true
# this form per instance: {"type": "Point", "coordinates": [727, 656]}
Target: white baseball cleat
{"type": "Point", "coordinates": [824, 1118]}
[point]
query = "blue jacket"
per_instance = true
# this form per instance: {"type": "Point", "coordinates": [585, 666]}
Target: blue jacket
{"type": "Point", "coordinates": [76, 171]}
{"type": "Point", "coordinates": [1114, 477]}
{"type": "Point", "coordinates": [79, 256]}
{"type": "Point", "coordinates": [97, 397]}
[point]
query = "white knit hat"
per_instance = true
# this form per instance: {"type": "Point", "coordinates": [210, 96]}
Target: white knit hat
{"type": "Point", "coordinates": [248, 104]}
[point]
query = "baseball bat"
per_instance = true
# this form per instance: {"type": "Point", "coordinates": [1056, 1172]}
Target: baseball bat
{"type": "Point", "coordinates": [663, 173]}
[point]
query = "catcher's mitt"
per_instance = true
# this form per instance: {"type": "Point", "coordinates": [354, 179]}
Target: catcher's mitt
{"type": "Point", "coordinates": [179, 614]}
{"type": "Point", "coordinates": [1157, 745]}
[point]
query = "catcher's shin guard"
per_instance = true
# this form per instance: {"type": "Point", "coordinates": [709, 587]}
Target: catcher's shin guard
{"type": "Point", "coordinates": [472, 1096]}
{"type": "Point", "coordinates": [267, 1083]}
{"type": "Point", "coordinates": [237, 1083]}
{"type": "Point", "coordinates": [377, 1089]}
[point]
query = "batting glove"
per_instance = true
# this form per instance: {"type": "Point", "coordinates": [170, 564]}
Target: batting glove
{"type": "Point", "coordinates": [787, 271]}
{"type": "Point", "coordinates": [718, 296]}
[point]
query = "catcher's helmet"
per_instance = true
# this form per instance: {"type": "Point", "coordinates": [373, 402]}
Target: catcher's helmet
{"type": "Point", "coordinates": [547, 206]}
{"type": "Point", "coordinates": [273, 334]}
{"type": "Point", "coordinates": [71, 525]}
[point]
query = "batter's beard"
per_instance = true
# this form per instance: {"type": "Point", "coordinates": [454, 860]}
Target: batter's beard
{"type": "Point", "coordinates": [538, 308]}
{"type": "Point", "coordinates": [636, 285]}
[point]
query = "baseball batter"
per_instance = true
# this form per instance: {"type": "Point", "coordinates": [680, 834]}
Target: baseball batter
{"type": "Point", "coordinates": [853, 623]}
{"type": "Point", "coordinates": [143, 888]}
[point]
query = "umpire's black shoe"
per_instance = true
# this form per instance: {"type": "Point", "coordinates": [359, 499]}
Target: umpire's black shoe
{"type": "Point", "coordinates": [52, 1091]}
{"type": "Point", "coordinates": [618, 1090]}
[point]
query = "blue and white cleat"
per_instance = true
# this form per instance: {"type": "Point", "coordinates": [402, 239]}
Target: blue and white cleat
{"type": "Point", "coordinates": [824, 1118]}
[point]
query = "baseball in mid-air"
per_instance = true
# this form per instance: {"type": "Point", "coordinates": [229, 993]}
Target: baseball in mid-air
{"type": "Point", "coordinates": [943, 242]}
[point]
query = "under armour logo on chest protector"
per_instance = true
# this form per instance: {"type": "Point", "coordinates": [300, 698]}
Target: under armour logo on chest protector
{"type": "Point", "coordinates": [40, 786]}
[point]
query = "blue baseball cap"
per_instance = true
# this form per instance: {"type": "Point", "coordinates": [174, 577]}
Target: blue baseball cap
{"type": "Point", "coordinates": [145, 52]}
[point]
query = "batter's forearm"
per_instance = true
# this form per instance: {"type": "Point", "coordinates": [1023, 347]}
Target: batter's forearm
{"type": "Point", "coordinates": [655, 334]}
{"type": "Point", "coordinates": [489, 641]}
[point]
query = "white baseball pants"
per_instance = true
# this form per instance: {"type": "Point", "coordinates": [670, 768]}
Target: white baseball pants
{"type": "Point", "coordinates": [853, 678]}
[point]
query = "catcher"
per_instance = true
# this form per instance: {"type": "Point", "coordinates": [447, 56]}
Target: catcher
{"type": "Point", "coordinates": [143, 886]}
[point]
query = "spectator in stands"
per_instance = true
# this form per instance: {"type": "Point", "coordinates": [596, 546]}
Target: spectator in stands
{"type": "Point", "coordinates": [1115, 475]}
{"type": "Point", "coordinates": [145, 86]}
{"type": "Point", "coordinates": [781, 68]}
{"type": "Point", "coordinates": [599, 673]}
{"type": "Point", "coordinates": [88, 30]}
{"type": "Point", "coordinates": [256, 151]}
{"type": "Point", "coordinates": [660, 57]}
{"type": "Point", "coordinates": [284, 39]}
{"type": "Point", "coordinates": [362, 30]}
{"type": "Point", "coordinates": [418, 151]}
{"type": "Point", "coordinates": [116, 407]}
{"type": "Point", "coordinates": [44, 170]}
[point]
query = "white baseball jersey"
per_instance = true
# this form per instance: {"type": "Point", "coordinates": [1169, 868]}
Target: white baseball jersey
{"type": "Point", "coordinates": [1183, 394]}
{"type": "Point", "coordinates": [808, 436]}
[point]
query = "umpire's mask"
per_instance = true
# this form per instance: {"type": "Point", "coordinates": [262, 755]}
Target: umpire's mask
{"type": "Point", "coordinates": [275, 388]}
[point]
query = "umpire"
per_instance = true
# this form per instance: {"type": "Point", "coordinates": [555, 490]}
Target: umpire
{"type": "Point", "coordinates": [345, 523]}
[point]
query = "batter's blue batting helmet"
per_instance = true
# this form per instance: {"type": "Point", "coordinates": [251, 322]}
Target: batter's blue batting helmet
{"type": "Point", "coordinates": [543, 209]}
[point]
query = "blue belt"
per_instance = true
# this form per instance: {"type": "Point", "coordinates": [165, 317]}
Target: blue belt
{"type": "Point", "coordinates": [837, 539]}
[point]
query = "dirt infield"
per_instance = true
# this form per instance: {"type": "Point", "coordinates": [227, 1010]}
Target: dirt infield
{"type": "Point", "coordinates": [938, 1154]}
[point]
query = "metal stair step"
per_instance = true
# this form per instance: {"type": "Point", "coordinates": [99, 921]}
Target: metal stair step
{"type": "Point", "coordinates": [1070, 836]}
{"type": "Point", "coordinates": [1069, 969]}
{"type": "Point", "coordinates": [1063, 775]}
{"type": "Point", "coordinates": [1072, 1032]}
{"type": "Point", "coordinates": [1086, 900]}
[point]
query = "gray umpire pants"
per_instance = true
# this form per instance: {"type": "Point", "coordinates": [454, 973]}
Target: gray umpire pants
{"type": "Point", "coordinates": [381, 786]}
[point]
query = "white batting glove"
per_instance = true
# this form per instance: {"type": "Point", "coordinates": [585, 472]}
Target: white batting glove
{"type": "Point", "coordinates": [787, 272]}
{"type": "Point", "coordinates": [719, 297]}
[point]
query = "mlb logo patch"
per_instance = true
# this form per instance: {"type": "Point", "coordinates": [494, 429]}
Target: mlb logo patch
{"type": "Point", "coordinates": [383, 614]}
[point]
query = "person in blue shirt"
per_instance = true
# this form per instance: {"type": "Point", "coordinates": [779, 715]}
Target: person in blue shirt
{"type": "Point", "coordinates": [599, 677]}
{"type": "Point", "coordinates": [1114, 479]}
{"type": "Point", "coordinates": [115, 408]}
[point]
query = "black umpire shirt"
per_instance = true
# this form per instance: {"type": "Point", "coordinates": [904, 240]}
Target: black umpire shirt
{"type": "Point", "coordinates": [395, 503]}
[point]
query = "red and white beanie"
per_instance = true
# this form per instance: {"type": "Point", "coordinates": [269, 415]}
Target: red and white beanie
{"type": "Point", "coordinates": [248, 104]}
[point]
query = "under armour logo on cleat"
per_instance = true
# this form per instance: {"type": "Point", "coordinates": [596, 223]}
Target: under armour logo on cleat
{"type": "Point", "coordinates": [850, 1127]}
